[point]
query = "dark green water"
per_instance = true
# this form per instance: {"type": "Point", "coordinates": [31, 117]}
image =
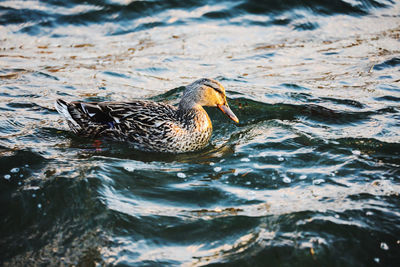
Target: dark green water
{"type": "Point", "coordinates": [309, 177]}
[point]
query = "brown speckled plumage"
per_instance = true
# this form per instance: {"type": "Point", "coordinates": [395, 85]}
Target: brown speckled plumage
{"type": "Point", "coordinates": [148, 125]}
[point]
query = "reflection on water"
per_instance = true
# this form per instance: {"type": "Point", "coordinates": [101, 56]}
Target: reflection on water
{"type": "Point", "coordinates": [308, 177]}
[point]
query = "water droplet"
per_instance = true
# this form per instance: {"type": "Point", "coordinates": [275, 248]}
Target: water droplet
{"type": "Point", "coordinates": [181, 175]}
{"type": "Point", "coordinates": [26, 165]}
{"type": "Point", "coordinates": [217, 169]}
{"type": "Point", "coordinates": [318, 181]}
{"type": "Point", "coordinates": [248, 183]}
{"type": "Point", "coordinates": [19, 183]}
{"type": "Point", "coordinates": [245, 159]}
{"type": "Point", "coordinates": [14, 170]}
{"type": "Point", "coordinates": [39, 206]}
{"type": "Point", "coordinates": [287, 180]}
{"type": "Point", "coordinates": [303, 176]}
{"type": "Point", "coordinates": [33, 195]}
{"type": "Point", "coordinates": [7, 176]}
{"type": "Point", "coordinates": [129, 168]}
{"type": "Point", "coordinates": [21, 175]}
{"type": "Point", "coordinates": [281, 159]}
{"type": "Point", "coordinates": [369, 213]}
{"type": "Point", "coordinates": [356, 152]}
{"type": "Point", "coordinates": [376, 260]}
{"type": "Point", "coordinates": [384, 246]}
{"type": "Point", "coordinates": [212, 163]}
{"type": "Point", "coordinates": [337, 216]}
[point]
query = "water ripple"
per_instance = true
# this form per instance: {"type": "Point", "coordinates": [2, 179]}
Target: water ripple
{"type": "Point", "coordinates": [308, 177]}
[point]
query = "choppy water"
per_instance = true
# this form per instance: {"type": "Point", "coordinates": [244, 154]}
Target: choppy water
{"type": "Point", "coordinates": [309, 177]}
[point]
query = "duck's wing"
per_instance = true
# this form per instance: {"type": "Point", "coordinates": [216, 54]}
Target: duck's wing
{"type": "Point", "coordinates": [115, 119]}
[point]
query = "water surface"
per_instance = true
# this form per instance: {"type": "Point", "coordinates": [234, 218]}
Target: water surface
{"type": "Point", "coordinates": [310, 175]}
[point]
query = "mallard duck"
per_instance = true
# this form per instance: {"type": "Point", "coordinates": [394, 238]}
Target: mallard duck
{"type": "Point", "coordinates": [148, 125]}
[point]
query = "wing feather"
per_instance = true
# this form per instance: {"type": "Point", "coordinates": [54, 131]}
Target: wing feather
{"type": "Point", "coordinates": [136, 120]}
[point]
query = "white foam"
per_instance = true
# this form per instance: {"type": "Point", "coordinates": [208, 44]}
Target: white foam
{"type": "Point", "coordinates": [181, 175]}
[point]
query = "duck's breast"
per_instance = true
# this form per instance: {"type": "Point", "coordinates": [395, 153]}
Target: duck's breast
{"type": "Point", "coordinates": [193, 133]}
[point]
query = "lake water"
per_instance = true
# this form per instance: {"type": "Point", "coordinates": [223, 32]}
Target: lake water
{"type": "Point", "coordinates": [309, 177]}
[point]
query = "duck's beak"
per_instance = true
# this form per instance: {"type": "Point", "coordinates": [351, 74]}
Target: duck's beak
{"type": "Point", "coordinates": [228, 112]}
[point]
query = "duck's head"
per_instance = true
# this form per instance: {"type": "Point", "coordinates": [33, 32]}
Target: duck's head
{"type": "Point", "coordinates": [207, 92]}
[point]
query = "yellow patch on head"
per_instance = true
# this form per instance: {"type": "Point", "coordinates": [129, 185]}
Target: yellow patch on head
{"type": "Point", "coordinates": [212, 97]}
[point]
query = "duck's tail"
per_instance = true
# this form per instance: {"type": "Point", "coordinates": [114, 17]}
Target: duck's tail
{"type": "Point", "coordinates": [62, 108]}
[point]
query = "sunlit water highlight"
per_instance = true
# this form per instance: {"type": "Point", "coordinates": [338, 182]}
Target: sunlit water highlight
{"type": "Point", "coordinates": [309, 177]}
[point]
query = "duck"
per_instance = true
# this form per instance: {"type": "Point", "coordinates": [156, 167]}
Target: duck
{"type": "Point", "coordinates": [148, 125]}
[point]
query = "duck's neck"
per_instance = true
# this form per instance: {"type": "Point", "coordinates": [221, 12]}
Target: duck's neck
{"type": "Point", "coordinates": [194, 115]}
{"type": "Point", "coordinates": [187, 103]}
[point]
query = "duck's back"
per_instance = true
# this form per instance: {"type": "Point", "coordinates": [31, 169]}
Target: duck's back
{"type": "Point", "coordinates": [147, 125]}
